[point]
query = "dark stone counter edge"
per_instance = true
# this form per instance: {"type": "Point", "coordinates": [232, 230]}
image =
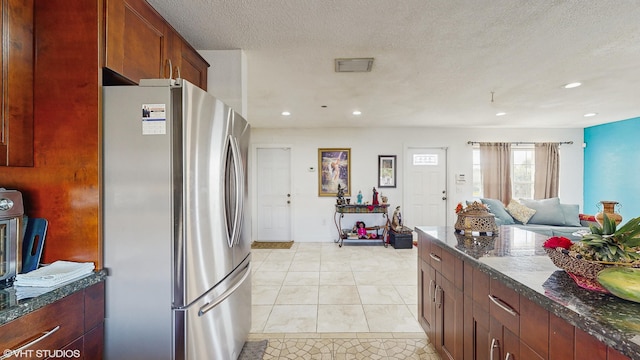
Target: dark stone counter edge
{"type": "Point", "coordinates": [27, 306]}
{"type": "Point", "coordinates": [606, 334]}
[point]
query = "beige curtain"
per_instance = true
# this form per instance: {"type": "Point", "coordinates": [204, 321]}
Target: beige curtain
{"type": "Point", "coordinates": [547, 170]}
{"type": "Point", "coordinates": [495, 167]}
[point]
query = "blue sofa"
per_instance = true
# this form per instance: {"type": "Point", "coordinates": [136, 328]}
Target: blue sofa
{"type": "Point", "coordinates": [548, 216]}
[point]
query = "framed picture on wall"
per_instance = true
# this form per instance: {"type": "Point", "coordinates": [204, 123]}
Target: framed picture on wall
{"type": "Point", "coordinates": [386, 171]}
{"type": "Point", "coordinates": [334, 168]}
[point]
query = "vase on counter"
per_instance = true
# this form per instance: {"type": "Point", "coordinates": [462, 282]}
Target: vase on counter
{"type": "Point", "coordinates": [609, 208]}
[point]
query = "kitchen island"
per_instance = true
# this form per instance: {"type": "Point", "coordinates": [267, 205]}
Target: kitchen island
{"type": "Point", "coordinates": [502, 297]}
{"type": "Point", "coordinates": [59, 322]}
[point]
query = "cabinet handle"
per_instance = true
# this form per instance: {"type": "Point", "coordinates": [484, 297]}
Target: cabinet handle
{"type": "Point", "coordinates": [8, 353]}
{"type": "Point", "coordinates": [435, 257]}
{"type": "Point", "coordinates": [441, 293]}
{"type": "Point", "coordinates": [494, 344]}
{"type": "Point", "coordinates": [502, 305]}
{"type": "Point", "coordinates": [508, 356]}
{"type": "Point", "coordinates": [432, 295]}
{"type": "Point", "coordinates": [168, 62]}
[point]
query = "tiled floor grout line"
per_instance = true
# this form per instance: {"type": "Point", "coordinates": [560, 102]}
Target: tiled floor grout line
{"type": "Point", "coordinates": [342, 345]}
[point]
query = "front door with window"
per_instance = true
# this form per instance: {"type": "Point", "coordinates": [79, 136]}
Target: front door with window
{"type": "Point", "coordinates": [425, 179]}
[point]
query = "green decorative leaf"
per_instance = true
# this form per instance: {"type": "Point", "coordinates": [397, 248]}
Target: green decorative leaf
{"type": "Point", "coordinates": [608, 225]}
{"type": "Point", "coordinates": [595, 229]}
{"type": "Point", "coordinates": [630, 225]}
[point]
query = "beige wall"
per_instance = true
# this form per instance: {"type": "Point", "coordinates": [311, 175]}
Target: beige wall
{"type": "Point", "coordinates": [313, 216]}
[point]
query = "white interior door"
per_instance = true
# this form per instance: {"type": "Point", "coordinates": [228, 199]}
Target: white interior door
{"type": "Point", "coordinates": [425, 179]}
{"type": "Point", "coordinates": [274, 194]}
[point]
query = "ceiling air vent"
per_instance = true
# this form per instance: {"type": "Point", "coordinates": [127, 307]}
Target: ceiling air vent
{"type": "Point", "coordinates": [354, 65]}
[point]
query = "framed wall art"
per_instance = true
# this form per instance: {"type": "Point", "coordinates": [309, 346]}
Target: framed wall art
{"type": "Point", "coordinates": [334, 168]}
{"type": "Point", "coordinates": [386, 171]}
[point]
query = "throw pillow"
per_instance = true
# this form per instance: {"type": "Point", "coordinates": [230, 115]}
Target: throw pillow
{"type": "Point", "coordinates": [496, 207]}
{"type": "Point", "coordinates": [548, 211]}
{"type": "Point", "coordinates": [571, 214]}
{"type": "Point", "coordinates": [519, 211]}
{"type": "Point", "coordinates": [585, 217]}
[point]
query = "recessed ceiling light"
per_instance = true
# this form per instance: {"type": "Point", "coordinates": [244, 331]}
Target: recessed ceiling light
{"type": "Point", "coordinates": [286, 113]}
{"type": "Point", "coordinates": [357, 112]}
{"type": "Point", "coordinates": [501, 114]}
{"type": "Point", "coordinates": [590, 114]}
{"type": "Point", "coordinates": [572, 85]}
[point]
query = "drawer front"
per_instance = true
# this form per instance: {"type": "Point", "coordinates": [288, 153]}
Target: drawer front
{"type": "Point", "coordinates": [435, 257]}
{"type": "Point", "coordinates": [424, 248]}
{"type": "Point", "coordinates": [452, 268]}
{"type": "Point", "coordinates": [480, 288]}
{"type": "Point", "coordinates": [504, 305]}
{"type": "Point", "coordinates": [56, 325]}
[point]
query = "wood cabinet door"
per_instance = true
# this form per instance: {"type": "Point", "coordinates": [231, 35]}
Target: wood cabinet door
{"type": "Point", "coordinates": [184, 61]}
{"type": "Point", "coordinates": [561, 338]}
{"type": "Point", "coordinates": [426, 302]}
{"type": "Point", "coordinates": [588, 347]}
{"type": "Point", "coordinates": [173, 61]}
{"type": "Point", "coordinates": [17, 59]}
{"type": "Point", "coordinates": [534, 327]}
{"type": "Point", "coordinates": [504, 343]}
{"type": "Point", "coordinates": [135, 46]}
{"type": "Point", "coordinates": [449, 318]}
{"type": "Point", "coordinates": [193, 67]}
{"type": "Point", "coordinates": [480, 337]}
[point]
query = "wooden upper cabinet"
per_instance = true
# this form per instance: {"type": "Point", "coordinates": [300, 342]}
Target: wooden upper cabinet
{"type": "Point", "coordinates": [193, 67]}
{"type": "Point", "coordinates": [136, 37]}
{"type": "Point", "coordinates": [142, 45]}
{"type": "Point", "coordinates": [16, 120]}
{"type": "Point", "coordinates": [185, 61]}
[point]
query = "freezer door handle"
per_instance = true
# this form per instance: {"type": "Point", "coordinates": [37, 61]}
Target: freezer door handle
{"type": "Point", "coordinates": [209, 306]}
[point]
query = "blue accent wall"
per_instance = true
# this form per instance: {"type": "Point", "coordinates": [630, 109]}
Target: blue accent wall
{"type": "Point", "coordinates": [612, 167]}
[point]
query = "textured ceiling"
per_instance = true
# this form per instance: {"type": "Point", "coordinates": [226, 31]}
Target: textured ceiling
{"type": "Point", "coordinates": [436, 62]}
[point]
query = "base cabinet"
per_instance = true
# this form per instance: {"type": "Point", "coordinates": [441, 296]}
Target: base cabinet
{"type": "Point", "coordinates": [71, 327]}
{"type": "Point", "coordinates": [441, 302]}
{"type": "Point", "coordinates": [468, 314]}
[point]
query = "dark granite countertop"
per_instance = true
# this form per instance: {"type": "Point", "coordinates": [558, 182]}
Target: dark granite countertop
{"type": "Point", "coordinates": [517, 258]}
{"type": "Point", "coordinates": [12, 307]}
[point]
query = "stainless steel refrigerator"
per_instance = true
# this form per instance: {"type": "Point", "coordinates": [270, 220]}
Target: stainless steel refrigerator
{"type": "Point", "coordinates": [176, 236]}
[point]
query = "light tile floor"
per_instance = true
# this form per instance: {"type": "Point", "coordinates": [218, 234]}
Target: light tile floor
{"type": "Point", "coordinates": [332, 302]}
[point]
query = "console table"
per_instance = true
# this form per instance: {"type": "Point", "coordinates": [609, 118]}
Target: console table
{"type": "Point", "coordinates": [341, 210]}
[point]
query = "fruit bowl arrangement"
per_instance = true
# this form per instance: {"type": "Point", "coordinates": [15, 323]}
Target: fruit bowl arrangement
{"type": "Point", "coordinates": [605, 260]}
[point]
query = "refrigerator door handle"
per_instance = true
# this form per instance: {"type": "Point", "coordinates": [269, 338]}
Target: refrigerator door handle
{"type": "Point", "coordinates": [209, 306]}
{"type": "Point", "coordinates": [238, 216]}
{"type": "Point", "coordinates": [232, 173]}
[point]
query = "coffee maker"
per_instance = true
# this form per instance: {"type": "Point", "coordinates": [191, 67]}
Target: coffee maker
{"type": "Point", "coordinates": [11, 218]}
